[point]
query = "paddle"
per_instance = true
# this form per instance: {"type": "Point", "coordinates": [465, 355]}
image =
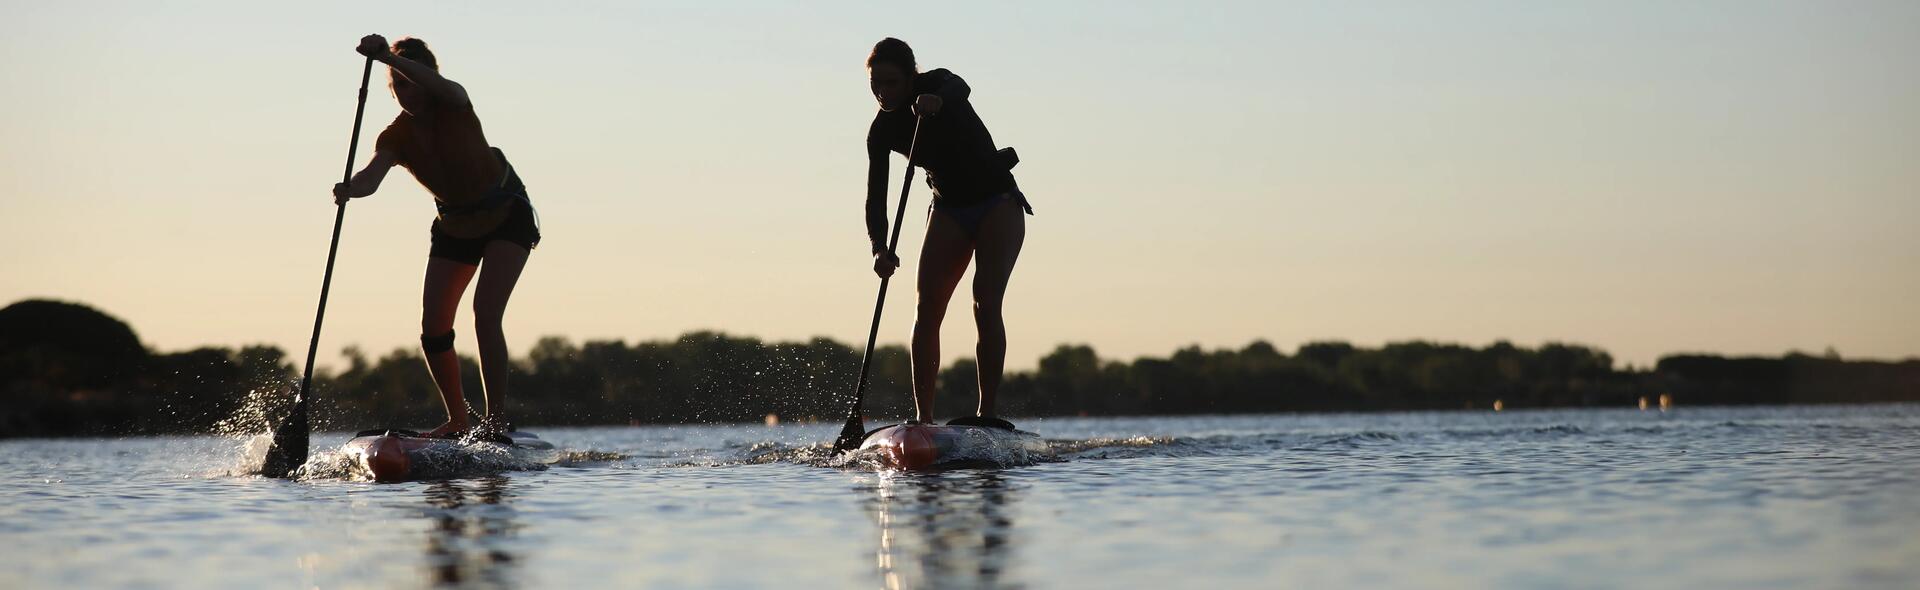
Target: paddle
{"type": "Point", "coordinates": [856, 430]}
{"type": "Point", "coordinates": [289, 448]}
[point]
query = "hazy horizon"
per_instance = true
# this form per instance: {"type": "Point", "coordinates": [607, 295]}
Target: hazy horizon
{"type": "Point", "coordinates": [1646, 178]}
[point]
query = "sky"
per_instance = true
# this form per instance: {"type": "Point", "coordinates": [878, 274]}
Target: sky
{"type": "Point", "coordinates": [1733, 177]}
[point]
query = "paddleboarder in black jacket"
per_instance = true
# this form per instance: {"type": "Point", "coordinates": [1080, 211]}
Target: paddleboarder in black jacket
{"type": "Point", "coordinates": [977, 214]}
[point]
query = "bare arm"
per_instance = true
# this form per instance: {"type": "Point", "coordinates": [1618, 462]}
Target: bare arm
{"type": "Point", "coordinates": [367, 180]}
{"type": "Point", "coordinates": [442, 89]}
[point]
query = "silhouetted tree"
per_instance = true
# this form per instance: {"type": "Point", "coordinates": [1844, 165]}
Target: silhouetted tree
{"type": "Point", "coordinates": [68, 369]}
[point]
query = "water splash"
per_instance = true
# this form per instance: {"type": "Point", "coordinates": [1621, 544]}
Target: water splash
{"type": "Point", "coordinates": [991, 449]}
{"type": "Point", "coordinates": [250, 426]}
{"type": "Point", "coordinates": [331, 465]}
{"type": "Point", "coordinates": [768, 452]}
{"type": "Point", "coordinates": [977, 448]}
{"type": "Point", "coordinates": [259, 408]}
{"type": "Point", "coordinates": [452, 460]}
{"type": "Point", "coordinates": [1110, 448]}
{"type": "Point", "coordinates": [574, 458]}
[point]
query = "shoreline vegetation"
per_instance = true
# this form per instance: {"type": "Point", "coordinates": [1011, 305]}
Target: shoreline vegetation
{"type": "Point", "coordinates": [67, 369]}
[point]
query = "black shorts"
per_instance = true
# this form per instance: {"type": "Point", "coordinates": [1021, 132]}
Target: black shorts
{"type": "Point", "coordinates": [520, 229]}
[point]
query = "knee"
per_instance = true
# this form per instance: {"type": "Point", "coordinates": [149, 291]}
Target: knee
{"type": "Point", "coordinates": [487, 315]}
{"type": "Point", "coordinates": [929, 315]}
{"type": "Point", "coordinates": [434, 321]}
{"type": "Point", "coordinates": [488, 328]}
{"type": "Point", "coordinates": [925, 320]}
{"type": "Point", "coordinates": [436, 342]}
{"type": "Point", "coordinates": [986, 310]}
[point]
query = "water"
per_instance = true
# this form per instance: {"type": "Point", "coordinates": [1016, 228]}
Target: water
{"type": "Point", "coordinates": [1820, 497]}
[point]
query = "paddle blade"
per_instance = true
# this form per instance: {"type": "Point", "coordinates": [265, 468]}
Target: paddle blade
{"type": "Point", "coordinates": [288, 451]}
{"type": "Point", "coordinates": [851, 435]}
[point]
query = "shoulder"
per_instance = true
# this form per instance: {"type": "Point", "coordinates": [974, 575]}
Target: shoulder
{"type": "Point", "coordinates": [394, 139]}
{"type": "Point", "coordinates": [399, 129]}
{"type": "Point", "coordinates": [460, 97]}
{"type": "Point", "coordinates": [455, 97]}
{"type": "Point", "coordinates": [882, 122]}
{"type": "Point", "coordinates": [935, 78]}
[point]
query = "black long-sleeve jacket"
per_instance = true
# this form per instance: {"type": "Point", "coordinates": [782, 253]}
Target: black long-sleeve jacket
{"type": "Point", "coordinates": [954, 149]}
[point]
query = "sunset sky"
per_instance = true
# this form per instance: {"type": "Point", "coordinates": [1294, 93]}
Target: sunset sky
{"type": "Point", "coordinates": [1737, 177]}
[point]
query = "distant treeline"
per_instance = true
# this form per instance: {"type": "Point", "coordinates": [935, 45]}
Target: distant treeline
{"type": "Point", "coordinates": [67, 369]}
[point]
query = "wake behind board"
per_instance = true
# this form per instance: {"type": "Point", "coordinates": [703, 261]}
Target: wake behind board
{"type": "Point", "coordinates": [397, 455]}
{"type": "Point", "coordinates": [914, 447]}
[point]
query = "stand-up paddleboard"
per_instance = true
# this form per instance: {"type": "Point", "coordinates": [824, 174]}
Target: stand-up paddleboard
{"type": "Point", "coordinates": [930, 446]}
{"type": "Point", "coordinates": [397, 455]}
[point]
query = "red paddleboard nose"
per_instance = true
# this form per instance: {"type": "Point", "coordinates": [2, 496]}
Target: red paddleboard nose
{"type": "Point", "coordinates": [917, 449]}
{"type": "Point", "coordinates": [386, 460]}
{"type": "Point", "coordinates": [906, 446]}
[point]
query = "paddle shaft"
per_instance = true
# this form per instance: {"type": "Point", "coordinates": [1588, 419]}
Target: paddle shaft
{"type": "Point", "coordinates": [333, 248]}
{"type": "Point", "coordinates": [854, 429]}
{"type": "Point", "coordinates": [292, 433]}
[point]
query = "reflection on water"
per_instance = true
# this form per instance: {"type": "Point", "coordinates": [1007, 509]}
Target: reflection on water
{"type": "Point", "coordinates": [467, 544]}
{"type": "Point", "coordinates": [945, 530]}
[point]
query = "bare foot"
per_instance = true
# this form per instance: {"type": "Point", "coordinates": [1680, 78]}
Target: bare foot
{"type": "Point", "coordinates": [450, 428]}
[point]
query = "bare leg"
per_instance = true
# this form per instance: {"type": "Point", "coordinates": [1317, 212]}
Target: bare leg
{"type": "Point", "coordinates": [446, 282]}
{"type": "Point", "coordinates": [498, 275]}
{"type": "Point", "coordinates": [943, 260]}
{"type": "Point", "coordinates": [1001, 235]}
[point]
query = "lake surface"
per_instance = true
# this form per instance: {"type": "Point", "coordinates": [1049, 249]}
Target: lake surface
{"type": "Point", "coordinates": [1786, 497]}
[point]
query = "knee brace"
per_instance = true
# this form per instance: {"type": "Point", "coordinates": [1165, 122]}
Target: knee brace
{"type": "Point", "coordinates": [434, 344]}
